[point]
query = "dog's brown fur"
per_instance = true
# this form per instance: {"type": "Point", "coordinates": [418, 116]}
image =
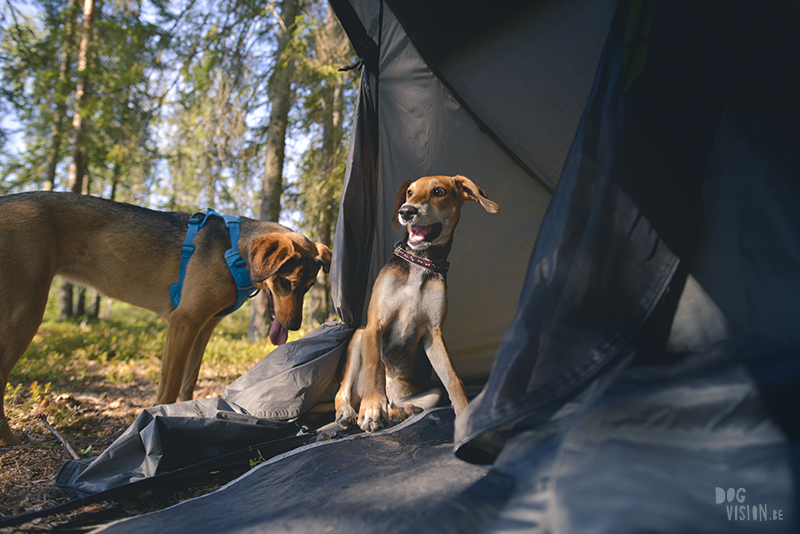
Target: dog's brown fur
{"type": "Point", "coordinates": [133, 254]}
{"type": "Point", "coordinates": [408, 307]}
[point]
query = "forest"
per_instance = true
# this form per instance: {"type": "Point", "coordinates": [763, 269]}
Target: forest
{"type": "Point", "coordinates": [238, 105]}
{"type": "Point", "coordinates": [242, 106]}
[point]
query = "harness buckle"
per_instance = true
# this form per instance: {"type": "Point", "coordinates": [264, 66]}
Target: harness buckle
{"type": "Point", "coordinates": [198, 218]}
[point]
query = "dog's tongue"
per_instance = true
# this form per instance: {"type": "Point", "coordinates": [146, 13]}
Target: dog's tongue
{"type": "Point", "coordinates": [278, 334]}
{"type": "Point", "coordinates": [418, 233]}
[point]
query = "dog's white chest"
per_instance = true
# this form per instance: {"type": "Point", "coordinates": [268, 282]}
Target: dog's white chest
{"type": "Point", "coordinates": [405, 304]}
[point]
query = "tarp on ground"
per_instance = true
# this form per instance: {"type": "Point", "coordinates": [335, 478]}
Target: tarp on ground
{"type": "Point", "coordinates": [404, 471]}
{"type": "Point", "coordinates": [647, 380]}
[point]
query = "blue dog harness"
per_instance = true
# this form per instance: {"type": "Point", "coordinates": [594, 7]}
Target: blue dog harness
{"type": "Point", "coordinates": [236, 264]}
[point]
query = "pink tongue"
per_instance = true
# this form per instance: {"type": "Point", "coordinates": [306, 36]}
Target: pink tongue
{"type": "Point", "coordinates": [277, 333]}
{"type": "Point", "coordinates": [420, 231]}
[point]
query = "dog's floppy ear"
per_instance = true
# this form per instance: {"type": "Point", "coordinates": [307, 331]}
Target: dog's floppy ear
{"type": "Point", "coordinates": [324, 257]}
{"type": "Point", "coordinates": [268, 253]}
{"type": "Point", "coordinates": [401, 198]}
{"type": "Point", "coordinates": [475, 193]}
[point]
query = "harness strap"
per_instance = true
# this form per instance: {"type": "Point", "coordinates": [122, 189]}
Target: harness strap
{"type": "Point", "coordinates": [234, 260]}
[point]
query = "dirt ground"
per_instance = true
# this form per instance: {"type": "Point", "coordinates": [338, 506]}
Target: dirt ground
{"type": "Point", "coordinates": [100, 412]}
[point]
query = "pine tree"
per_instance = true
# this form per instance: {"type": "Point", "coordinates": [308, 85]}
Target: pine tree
{"type": "Point", "coordinates": [281, 102]}
{"type": "Point", "coordinates": [328, 96]}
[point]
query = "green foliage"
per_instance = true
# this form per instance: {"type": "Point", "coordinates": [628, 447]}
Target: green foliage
{"type": "Point", "coordinates": [69, 348]}
{"type": "Point", "coordinates": [325, 107]}
{"type": "Point", "coordinates": [38, 400]}
{"type": "Point", "coordinates": [29, 76]}
{"type": "Point", "coordinates": [40, 74]}
{"type": "Point", "coordinates": [129, 342]}
{"type": "Point", "coordinates": [122, 349]}
{"type": "Point", "coordinates": [257, 460]}
{"type": "Point", "coordinates": [179, 103]}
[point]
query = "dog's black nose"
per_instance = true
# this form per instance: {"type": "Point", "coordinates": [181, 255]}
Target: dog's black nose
{"type": "Point", "coordinates": [293, 324]}
{"type": "Point", "coordinates": [407, 211]}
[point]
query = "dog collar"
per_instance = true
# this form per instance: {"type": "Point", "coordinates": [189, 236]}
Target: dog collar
{"type": "Point", "coordinates": [400, 252]}
{"type": "Point", "coordinates": [236, 264]}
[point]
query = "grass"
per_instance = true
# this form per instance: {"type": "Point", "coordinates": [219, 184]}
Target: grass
{"type": "Point", "coordinates": [123, 347]}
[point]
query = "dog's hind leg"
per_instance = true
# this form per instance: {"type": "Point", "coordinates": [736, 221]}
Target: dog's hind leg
{"type": "Point", "coordinates": [402, 409]}
{"type": "Point", "coordinates": [23, 303]}
{"type": "Point", "coordinates": [348, 395]}
{"type": "Point", "coordinates": [192, 370]}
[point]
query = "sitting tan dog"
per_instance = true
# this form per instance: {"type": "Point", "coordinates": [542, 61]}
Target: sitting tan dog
{"type": "Point", "coordinates": [134, 254]}
{"type": "Point", "coordinates": [408, 307]}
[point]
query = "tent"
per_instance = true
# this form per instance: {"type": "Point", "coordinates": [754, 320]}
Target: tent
{"type": "Point", "coordinates": [630, 316]}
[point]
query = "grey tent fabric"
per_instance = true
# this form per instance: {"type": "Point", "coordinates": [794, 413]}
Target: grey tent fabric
{"type": "Point", "coordinates": [290, 382]}
{"type": "Point", "coordinates": [650, 179]}
{"type": "Point", "coordinates": [522, 70]}
{"type": "Point", "coordinates": [164, 438]}
{"type": "Point", "coordinates": [648, 449]}
{"type": "Point", "coordinates": [258, 407]}
{"type": "Point", "coordinates": [642, 450]}
{"type": "Point", "coordinates": [423, 129]}
{"type": "Point", "coordinates": [356, 224]}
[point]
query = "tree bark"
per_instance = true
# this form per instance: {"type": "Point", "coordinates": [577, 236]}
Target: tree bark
{"type": "Point", "coordinates": [279, 116]}
{"type": "Point", "coordinates": [320, 307]}
{"type": "Point", "coordinates": [62, 87]}
{"type": "Point", "coordinates": [77, 169]}
{"type": "Point", "coordinates": [276, 147]}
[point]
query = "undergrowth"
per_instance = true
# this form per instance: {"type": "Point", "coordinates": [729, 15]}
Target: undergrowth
{"type": "Point", "coordinates": [123, 347]}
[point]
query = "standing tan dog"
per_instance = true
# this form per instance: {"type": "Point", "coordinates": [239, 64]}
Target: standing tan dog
{"type": "Point", "coordinates": [408, 306]}
{"type": "Point", "coordinates": [134, 254]}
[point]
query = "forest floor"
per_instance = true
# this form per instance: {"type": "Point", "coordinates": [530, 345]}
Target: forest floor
{"type": "Point", "coordinates": [88, 383]}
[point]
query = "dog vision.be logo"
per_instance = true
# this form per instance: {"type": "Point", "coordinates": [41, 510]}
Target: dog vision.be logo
{"type": "Point", "coordinates": [739, 511]}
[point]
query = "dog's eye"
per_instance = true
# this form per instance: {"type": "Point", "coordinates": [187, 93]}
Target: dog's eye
{"type": "Point", "coordinates": [408, 193]}
{"type": "Point", "coordinates": [439, 192]}
{"type": "Point", "coordinates": [286, 285]}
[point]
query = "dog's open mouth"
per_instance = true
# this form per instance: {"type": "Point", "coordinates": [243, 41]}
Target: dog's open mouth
{"type": "Point", "coordinates": [418, 234]}
{"type": "Point", "coordinates": [278, 334]}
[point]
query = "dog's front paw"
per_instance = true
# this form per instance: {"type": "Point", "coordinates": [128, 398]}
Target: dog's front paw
{"type": "Point", "coordinates": [372, 418]}
{"type": "Point", "coordinates": [346, 416]}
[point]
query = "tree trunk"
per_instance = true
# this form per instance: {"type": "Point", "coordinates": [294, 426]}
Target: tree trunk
{"type": "Point", "coordinates": [279, 116]}
{"type": "Point", "coordinates": [276, 148]}
{"type": "Point", "coordinates": [65, 301]}
{"type": "Point", "coordinates": [77, 169]}
{"type": "Point", "coordinates": [62, 89]}
{"type": "Point", "coordinates": [320, 307]}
